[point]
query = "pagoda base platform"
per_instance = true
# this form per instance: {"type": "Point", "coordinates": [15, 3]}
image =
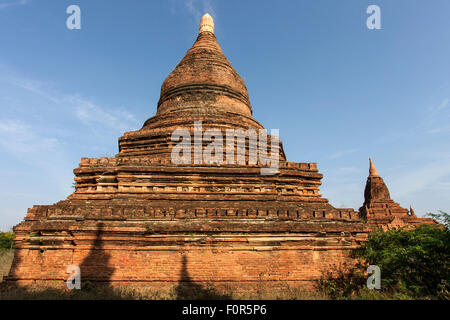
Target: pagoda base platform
{"type": "Point", "coordinates": [239, 253]}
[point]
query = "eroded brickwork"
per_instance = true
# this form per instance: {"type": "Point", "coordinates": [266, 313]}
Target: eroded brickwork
{"type": "Point", "coordinates": [162, 253]}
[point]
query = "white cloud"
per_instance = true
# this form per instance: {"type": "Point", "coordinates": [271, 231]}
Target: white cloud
{"type": "Point", "coordinates": [440, 129]}
{"type": "Point", "coordinates": [35, 169]}
{"type": "Point", "coordinates": [13, 3]}
{"type": "Point", "coordinates": [86, 111]}
{"type": "Point", "coordinates": [43, 131]}
{"type": "Point", "coordinates": [437, 117]}
{"type": "Point", "coordinates": [93, 115]}
{"type": "Point", "coordinates": [417, 180]}
{"type": "Point", "coordinates": [423, 184]}
{"type": "Point", "coordinates": [196, 8]}
{"type": "Point", "coordinates": [342, 153]}
{"type": "Point", "coordinates": [444, 186]}
{"type": "Point", "coordinates": [441, 106]}
{"type": "Point", "coordinates": [34, 86]}
{"type": "Point", "coordinates": [19, 139]}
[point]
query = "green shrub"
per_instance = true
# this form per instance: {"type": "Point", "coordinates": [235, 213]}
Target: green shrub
{"type": "Point", "coordinates": [442, 217]}
{"type": "Point", "coordinates": [6, 240]}
{"type": "Point", "coordinates": [416, 262]}
{"type": "Point", "coordinates": [343, 281]}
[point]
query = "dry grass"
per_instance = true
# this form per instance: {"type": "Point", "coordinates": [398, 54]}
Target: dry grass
{"type": "Point", "coordinates": [90, 291]}
{"type": "Point", "coordinates": [99, 293]}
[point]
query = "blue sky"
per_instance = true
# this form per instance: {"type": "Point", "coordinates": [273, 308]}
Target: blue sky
{"type": "Point", "coordinates": [337, 91]}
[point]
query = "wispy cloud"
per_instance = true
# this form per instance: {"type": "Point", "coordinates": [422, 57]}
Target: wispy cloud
{"type": "Point", "coordinates": [84, 110]}
{"type": "Point", "coordinates": [422, 179]}
{"type": "Point", "coordinates": [196, 8]}
{"type": "Point", "coordinates": [4, 5]}
{"type": "Point", "coordinates": [33, 149]}
{"type": "Point", "coordinates": [445, 103]}
{"type": "Point", "coordinates": [436, 116]}
{"type": "Point", "coordinates": [425, 188]}
{"type": "Point", "coordinates": [444, 186]}
{"type": "Point", "coordinates": [21, 140]}
{"type": "Point", "coordinates": [199, 7]}
{"type": "Point", "coordinates": [37, 87]}
{"type": "Point", "coordinates": [92, 114]}
{"type": "Point", "coordinates": [439, 129]}
{"type": "Point", "coordinates": [41, 122]}
{"type": "Point", "coordinates": [44, 131]}
{"type": "Point", "coordinates": [342, 153]}
{"type": "Point", "coordinates": [35, 169]}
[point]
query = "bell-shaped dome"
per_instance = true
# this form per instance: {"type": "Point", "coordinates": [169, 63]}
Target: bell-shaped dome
{"type": "Point", "coordinates": [204, 79]}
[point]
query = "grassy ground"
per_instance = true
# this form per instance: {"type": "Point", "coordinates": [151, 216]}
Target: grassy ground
{"type": "Point", "coordinates": [107, 293]}
{"type": "Point", "coordinates": [125, 293]}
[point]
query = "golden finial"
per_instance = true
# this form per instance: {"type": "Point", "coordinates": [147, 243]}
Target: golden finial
{"type": "Point", "coordinates": [206, 24]}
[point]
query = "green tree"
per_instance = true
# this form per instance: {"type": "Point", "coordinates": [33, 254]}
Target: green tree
{"type": "Point", "coordinates": [442, 217]}
{"type": "Point", "coordinates": [6, 240]}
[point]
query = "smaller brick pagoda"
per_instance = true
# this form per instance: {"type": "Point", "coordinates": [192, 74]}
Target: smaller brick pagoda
{"type": "Point", "coordinates": [380, 210]}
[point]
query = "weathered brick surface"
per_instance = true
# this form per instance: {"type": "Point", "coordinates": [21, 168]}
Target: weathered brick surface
{"type": "Point", "coordinates": [199, 250]}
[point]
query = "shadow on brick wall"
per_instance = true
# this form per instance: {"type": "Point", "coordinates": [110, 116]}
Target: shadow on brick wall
{"type": "Point", "coordinates": [96, 266]}
{"type": "Point", "coordinates": [96, 273]}
{"type": "Point", "coordinates": [187, 289]}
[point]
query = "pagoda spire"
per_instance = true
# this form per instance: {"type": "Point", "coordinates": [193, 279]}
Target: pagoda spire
{"type": "Point", "coordinates": [411, 211]}
{"type": "Point", "coordinates": [205, 80]}
{"type": "Point", "coordinates": [372, 170]}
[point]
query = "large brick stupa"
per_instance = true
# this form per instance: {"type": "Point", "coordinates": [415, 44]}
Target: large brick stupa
{"type": "Point", "coordinates": [139, 218]}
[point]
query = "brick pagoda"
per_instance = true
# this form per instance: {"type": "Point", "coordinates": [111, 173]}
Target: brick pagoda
{"type": "Point", "coordinates": [140, 219]}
